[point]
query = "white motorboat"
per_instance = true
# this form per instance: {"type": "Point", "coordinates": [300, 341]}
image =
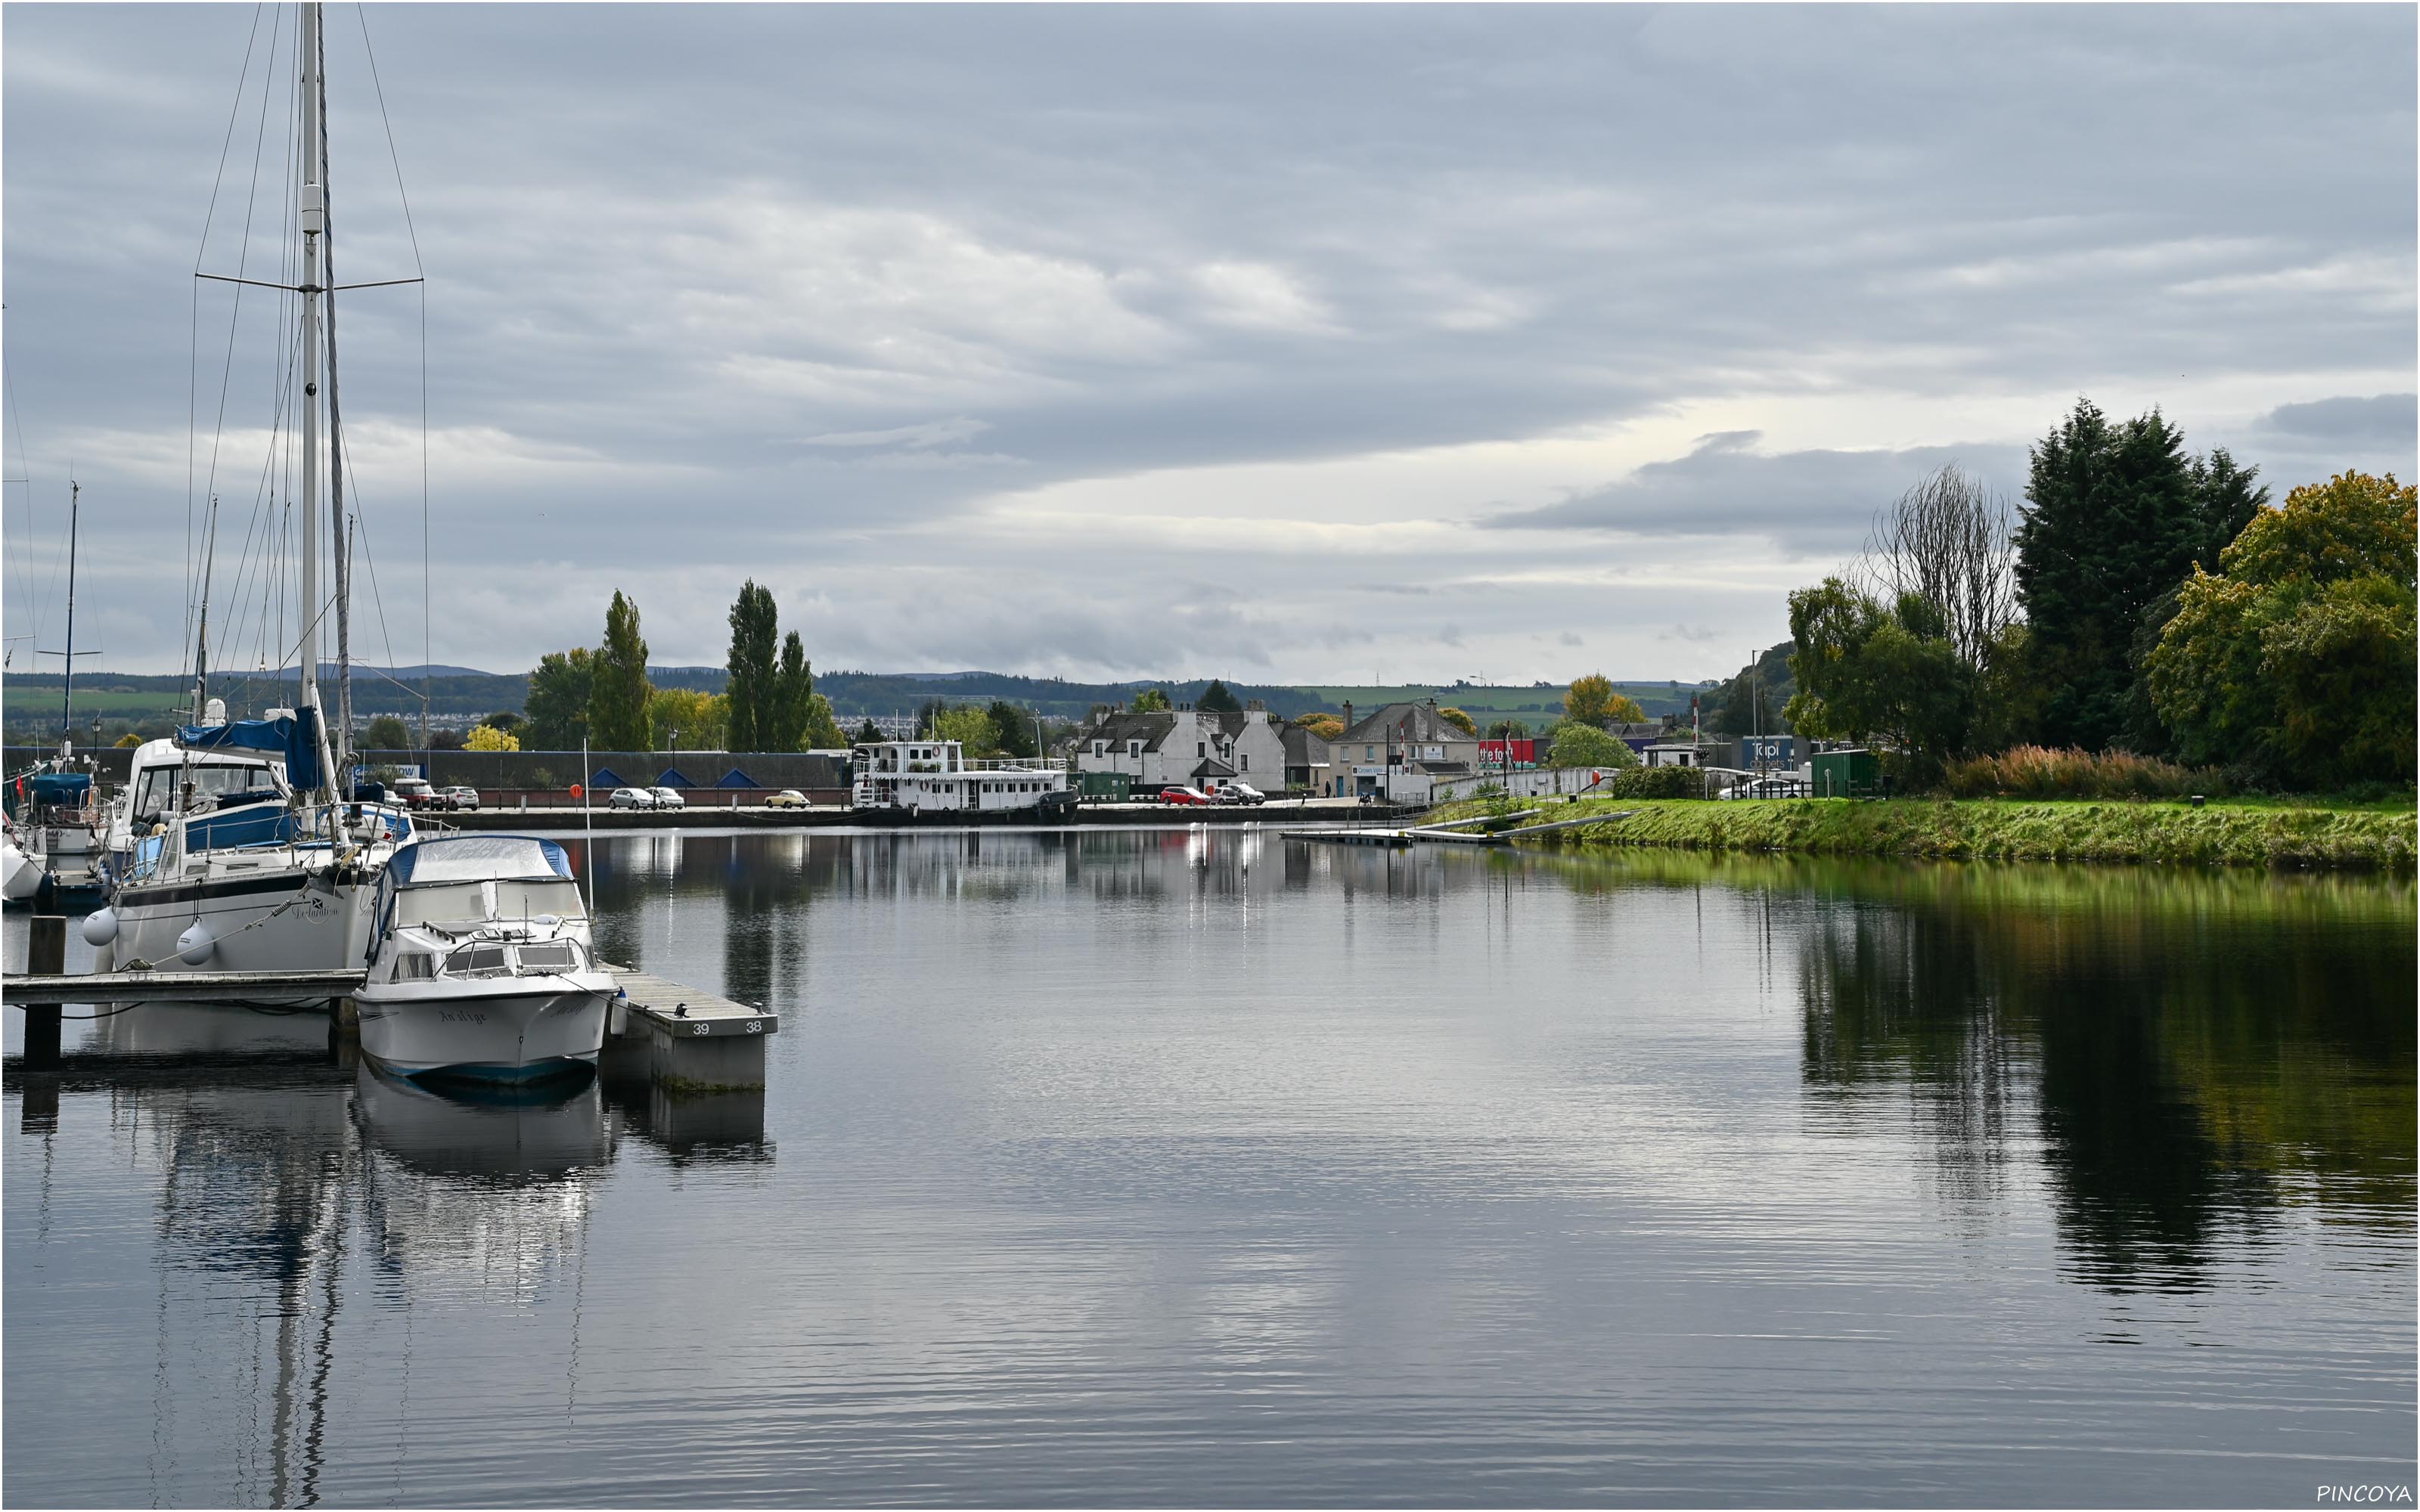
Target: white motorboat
{"type": "Point", "coordinates": [480, 963]}
{"type": "Point", "coordinates": [922, 776]}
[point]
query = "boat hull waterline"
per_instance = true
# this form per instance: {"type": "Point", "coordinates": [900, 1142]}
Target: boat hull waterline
{"type": "Point", "coordinates": [521, 1029]}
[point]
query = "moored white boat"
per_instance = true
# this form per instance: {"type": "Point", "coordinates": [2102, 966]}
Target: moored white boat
{"type": "Point", "coordinates": [480, 963]}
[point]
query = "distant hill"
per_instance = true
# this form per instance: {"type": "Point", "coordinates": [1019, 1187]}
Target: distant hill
{"type": "Point", "coordinates": [32, 697]}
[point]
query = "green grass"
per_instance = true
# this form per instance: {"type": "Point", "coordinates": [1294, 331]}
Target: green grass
{"type": "Point", "coordinates": [2272, 833]}
{"type": "Point", "coordinates": [1535, 706]}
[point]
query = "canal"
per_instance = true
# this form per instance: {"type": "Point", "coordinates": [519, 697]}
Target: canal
{"type": "Point", "coordinates": [1197, 1167]}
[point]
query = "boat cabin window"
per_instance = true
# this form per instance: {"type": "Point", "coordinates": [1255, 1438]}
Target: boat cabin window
{"type": "Point", "coordinates": [476, 960]}
{"type": "Point", "coordinates": [554, 955]}
{"type": "Point", "coordinates": [157, 793]}
{"type": "Point", "coordinates": [457, 902]}
{"type": "Point", "coordinates": [414, 965]}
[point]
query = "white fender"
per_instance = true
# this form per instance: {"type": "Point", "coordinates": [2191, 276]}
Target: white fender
{"type": "Point", "coordinates": [19, 874]}
{"type": "Point", "coordinates": [195, 946]}
{"type": "Point", "coordinates": [100, 927]}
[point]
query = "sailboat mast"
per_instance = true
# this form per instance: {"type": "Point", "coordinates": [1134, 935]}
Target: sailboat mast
{"type": "Point", "coordinates": [67, 662]}
{"type": "Point", "coordinates": [313, 201]}
{"type": "Point", "coordinates": [201, 630]}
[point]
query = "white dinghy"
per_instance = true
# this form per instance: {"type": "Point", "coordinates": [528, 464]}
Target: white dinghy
{"type": "Point", "coordinates": [480, 964]}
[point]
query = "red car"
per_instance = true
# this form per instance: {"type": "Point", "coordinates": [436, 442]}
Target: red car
{"type": "Point", "coordinates": [1183, 796]}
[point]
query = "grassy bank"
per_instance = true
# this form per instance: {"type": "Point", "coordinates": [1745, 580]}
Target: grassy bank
{"type": "Point", "coordinates": [2221, 834]}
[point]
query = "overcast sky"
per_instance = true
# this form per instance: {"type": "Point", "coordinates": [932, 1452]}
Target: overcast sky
{"type": "Point", "coordinates": [1286, 344]}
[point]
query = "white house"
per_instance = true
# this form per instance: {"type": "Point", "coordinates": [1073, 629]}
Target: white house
{"type": "Point", "coordinates": [1400, 751]}
{"type": "Point", "coordinates": [1185, 747]}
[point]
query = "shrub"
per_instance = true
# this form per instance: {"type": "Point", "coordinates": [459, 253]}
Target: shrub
{"type": "Point", "coordinates": [2037, 772]}
{"type": "Point", "coordinates": [1655, 783]}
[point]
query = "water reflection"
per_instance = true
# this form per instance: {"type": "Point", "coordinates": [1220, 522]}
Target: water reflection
{"type": "Point", "coordinates": [2187, 1063]}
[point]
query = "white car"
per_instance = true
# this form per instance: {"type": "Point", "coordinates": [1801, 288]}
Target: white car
{"type": "Point", "coordinates": [1237, 791]}
{"type": "Point", "coordinates": [668, 798]}
{"type": "Point", "coordinates": [633, 798]}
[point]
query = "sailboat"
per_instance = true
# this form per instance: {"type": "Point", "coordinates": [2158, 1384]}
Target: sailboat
{"type": "Point", "coordinates": [55, 843]}
{"type": "Point", "coordinates": [239, 853]}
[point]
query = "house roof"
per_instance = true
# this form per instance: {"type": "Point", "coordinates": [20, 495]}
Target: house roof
{"type": "Point", "coordinates": [1404, 721]}
{"type": "Point", "coordinates": [1303, 748]}
{"type": "Point", "coordinates": [1118, 729]}
{"type": "Point", "coordinates": [1211, 767]}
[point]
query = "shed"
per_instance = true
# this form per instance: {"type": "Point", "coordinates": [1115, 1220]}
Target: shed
{"type": "Point", "coordinates": [1847, 774]}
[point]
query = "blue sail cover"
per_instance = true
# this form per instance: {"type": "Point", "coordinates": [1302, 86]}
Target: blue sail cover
{"type": "Point", "coordinates": [294, 736]}
{"type": "Point", "coordinates": [60, 789]}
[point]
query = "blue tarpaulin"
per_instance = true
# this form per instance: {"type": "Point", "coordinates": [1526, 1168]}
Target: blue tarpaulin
{"type": "Point", "coordinates": [294, 736]}
{"type": "Point", "coordinates": [60, 789]}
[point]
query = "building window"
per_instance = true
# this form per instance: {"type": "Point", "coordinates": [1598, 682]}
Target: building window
{"type": "Point", "coordinates": [1133, 747]}
{"type": "Point", "coordinates": [1368, 753]}
{"type": "Point", "coordinates": [1202, 747]}
{"type": "Point", "coordinates": [1246, 764]}
{"type": "Point", "coordinates": [1100, 747]}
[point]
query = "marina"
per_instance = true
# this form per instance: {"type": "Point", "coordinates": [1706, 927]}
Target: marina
{"type": "Point", "coordinates": [1172, 1216]}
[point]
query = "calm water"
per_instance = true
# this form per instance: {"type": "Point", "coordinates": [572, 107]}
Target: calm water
{"type": "Point", "coordinates": [1197, 1168]}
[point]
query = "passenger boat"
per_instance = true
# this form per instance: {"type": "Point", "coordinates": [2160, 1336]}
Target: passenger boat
{"type": "Point", "coordinates": [480, 963]}
{"type": "Point", "coordinates": [936, 776]}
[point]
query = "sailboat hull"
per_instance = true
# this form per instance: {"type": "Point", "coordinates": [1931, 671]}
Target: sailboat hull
{"type": "Point", "coordinates": [514, 1030]}
{"type": "Point", "coordinates": [284, 918]}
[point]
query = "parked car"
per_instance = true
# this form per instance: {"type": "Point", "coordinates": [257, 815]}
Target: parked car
{"type": "Point", "coordinates": [633, 798]}
{"type": "Point", "coordinates": [668, 798]}
{"type": "Point", "coordinates": [415, 793]}
{"type": "Point", "coordinates": [462, 798]}
{"type": "Point", "coordinates": [1183, 795]}
{"type": "Point", "coordinates": [787, 798]}
{"type": "Point", "coordinates": [1235, 789]}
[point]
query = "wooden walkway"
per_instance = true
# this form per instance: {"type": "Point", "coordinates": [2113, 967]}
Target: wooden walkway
{"type": "Point", "coordinates": [177, 986]}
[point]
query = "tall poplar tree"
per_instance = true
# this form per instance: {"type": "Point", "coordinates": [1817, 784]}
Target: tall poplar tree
{"type": "Point", "coordinates": [754, 632]}
{"type": "Point", "coordinates": [617, 698]}
{"type": "Point", "coordinates": [793, 685]}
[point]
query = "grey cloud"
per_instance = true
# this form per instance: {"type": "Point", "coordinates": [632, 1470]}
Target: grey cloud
{"type": "Point", "coordinates": [1811, 500]}
{"type": "Point", "coordinates": [741, 252]}
{"type": "Point", "coordinates": [2384, 419]}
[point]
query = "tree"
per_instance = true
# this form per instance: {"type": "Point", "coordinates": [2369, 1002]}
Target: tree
{"type": "Point", "coordinates": [488, 737]}
{"type": "Point", "coordinates": [617, 698]}
{"type": "Point", "coordinates": [1151, 701]}
{"type": "Point", "coordinates": [557, 705]}
{"type": "Point", "coordinates": [869, 733]}
{"type": "Point", "coordinates": [1460, 721]}
{"type": "Point", "coordinates": [823, 729]}
{"type": "Point", "coordinates": [1580, 744]}
{"type": "Point", "coordinates": [788, 711]}
{"type": "Point", "coordinates": [507, 720]}
{"type": "Point", "coordinates": [755, 628]}
{"type": "Point", "coordinates": [968, 725]}
{"type": "Point", "coordinates": [1590, 700]}
{"type": "Point", "coordinates": [387, 732]}
{"type": "Point", "coordinates": [1011, 729]}
{"type": "Point", "coordinates": [1947, 540]}
{"type": "Point", "coordinates": [129, 741]}
{"type": "Point", "coordinates": [445, 740]}
{"type": "Point", "coordinates": [1216, 700]}
{"type": "Point", "coordinates": [1754, 698]}
{"type": "Point", "coordinates": [2297, 658]}
{"type": "Point", "coordinates": [1889, 674]}
{"type": "Point", "coordinates": [1326, 726]}
{"type": "Point", "coordinates": [2116, 517]}
{"type": "Point", "coordinates": [687, 718]}
{"type": "Point", "coordinates": [1508, 730]}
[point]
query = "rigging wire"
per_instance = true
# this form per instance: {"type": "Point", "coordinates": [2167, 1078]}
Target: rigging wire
{"type": "Point", "coordinates": [420, 272]}
{"type": "Point", "coordinates": [193, 360]}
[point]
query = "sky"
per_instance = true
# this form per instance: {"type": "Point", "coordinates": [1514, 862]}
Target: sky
{"type": "Point", "coordinates": [1284, 344]}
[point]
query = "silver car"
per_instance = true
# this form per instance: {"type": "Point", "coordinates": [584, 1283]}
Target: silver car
{"type": "Point", "coordinates": [668, 798]}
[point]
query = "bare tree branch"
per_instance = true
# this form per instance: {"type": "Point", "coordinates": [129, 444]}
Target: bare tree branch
{"type": "Point", "coordinates": [1947, 541]}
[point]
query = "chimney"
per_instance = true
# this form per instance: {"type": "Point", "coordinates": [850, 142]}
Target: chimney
{"type": "Point", "coordinates": [1348, 716]}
